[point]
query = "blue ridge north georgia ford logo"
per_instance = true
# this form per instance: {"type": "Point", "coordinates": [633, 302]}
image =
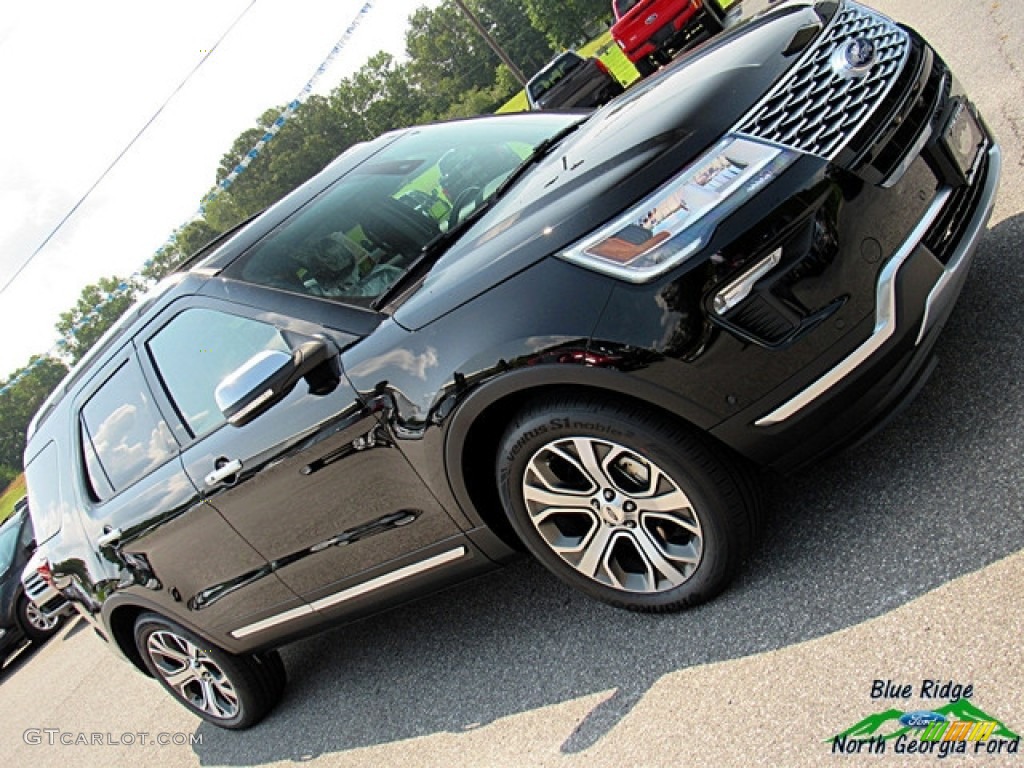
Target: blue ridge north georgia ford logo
{"type": "Point", "coordinates": [855, 58]}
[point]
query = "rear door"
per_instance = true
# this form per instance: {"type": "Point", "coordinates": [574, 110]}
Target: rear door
{"type": "Point", "coordinates": [161, 544]}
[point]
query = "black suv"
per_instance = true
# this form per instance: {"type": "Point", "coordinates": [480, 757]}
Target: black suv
{"type": "Point", "coordinates": [365, 394]}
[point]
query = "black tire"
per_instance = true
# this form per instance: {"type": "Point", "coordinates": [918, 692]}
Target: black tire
{"type": "Point", "coordinates": [227, 690]}
{"type": "Point", "coordinates": [624, 505]}
{"type": "Point", "coordinates": [646, 66]}
{"type": "Point", "coordinates": [36, 627]}
{"type": "Point", "coordinates": [275, 674]}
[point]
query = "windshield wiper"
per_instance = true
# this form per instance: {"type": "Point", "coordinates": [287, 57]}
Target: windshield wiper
{"type": "Point", "coordinates": [433, 250]}
{"type": "Point", "coordinates": [539, 152]}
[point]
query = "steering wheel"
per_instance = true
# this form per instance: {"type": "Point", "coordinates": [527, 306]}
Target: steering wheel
{"type": "Point", "coordinates": [467, 196]}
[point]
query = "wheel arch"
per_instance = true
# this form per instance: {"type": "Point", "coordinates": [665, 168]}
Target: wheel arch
{"type": "Point", "coordinates": [119, 617]}
{"type": "Point", "coordinates": [478, 424]}
{"type": "Point", "coordinates": [121, 623]}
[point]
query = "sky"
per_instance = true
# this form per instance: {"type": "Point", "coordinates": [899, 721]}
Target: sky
{"type": "Point", "coordinates": [80, 80]}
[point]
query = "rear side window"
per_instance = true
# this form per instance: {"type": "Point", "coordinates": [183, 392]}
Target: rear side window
{"type": "Point", "coordinates": [42, 475]}
{"type": "Point", "coordinates": [196, 350]}
{"type": "Point", "coordinates": [123, 436]}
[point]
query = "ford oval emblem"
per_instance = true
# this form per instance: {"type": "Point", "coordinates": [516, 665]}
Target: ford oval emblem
{"type": "Point", "coordinates": [921, 719]}
{"type": "Point", "coordinates": [854, 58]}
{"type": "Point", "coordinates": [651, 19]}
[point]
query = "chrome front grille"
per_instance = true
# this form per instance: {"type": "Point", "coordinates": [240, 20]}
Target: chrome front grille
{"type": "Point", "coordinates": [819, 105]}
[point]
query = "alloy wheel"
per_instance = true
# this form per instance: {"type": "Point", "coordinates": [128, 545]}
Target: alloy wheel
{"type": "Point", "coordinates": [38, 619]}
{"type": "Point", "coordinates": [193, 674]}
{"type": "Point", "coordinates": [612, 514]}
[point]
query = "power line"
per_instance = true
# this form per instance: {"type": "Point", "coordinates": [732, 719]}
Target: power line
{"type": "Point", "coordinates": [124, 151]}
{"type": "Point", "coordinates": [286, 113]}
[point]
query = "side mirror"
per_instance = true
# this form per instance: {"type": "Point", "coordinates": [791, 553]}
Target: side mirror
{"type": "Point", "coordinates": [265, 378]}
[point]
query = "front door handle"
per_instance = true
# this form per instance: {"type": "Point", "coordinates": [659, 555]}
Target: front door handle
{"type": "Point", "coordinates": [224, 470]}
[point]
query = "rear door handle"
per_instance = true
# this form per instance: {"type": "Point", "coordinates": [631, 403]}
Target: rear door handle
{"type": "Point", "coordinates": [223, 471]}
{"type": "Point", "coordinates": [109, 537]}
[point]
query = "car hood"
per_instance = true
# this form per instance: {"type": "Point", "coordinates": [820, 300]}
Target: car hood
{"type": "Point", "coordinates": [624, 151]}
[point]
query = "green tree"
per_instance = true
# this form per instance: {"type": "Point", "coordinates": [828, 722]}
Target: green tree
{"type": "Point", "coordinates": [452, 62]}
{"type": "Point", "coordinates": [310, 139]}
{"type": "Point", "coordinates": [447, 58]}
{"type": "Point", "coordinates": [33, 383]}
{"type": "Point", "coordinates": [98, 307]}
{"type": "Point", "coordinates": [567, 23]}
{"type": "Point", "coordinates": [510, 24]}
{"type": "Point", "coordinates": [192, 237]}
{"type": "Point", "coordinates": [380, 97]}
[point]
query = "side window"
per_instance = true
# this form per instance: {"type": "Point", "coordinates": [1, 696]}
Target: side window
{"type": "Point", "coordinates": [42, 475]}
{"type": "Point", "coordinates": [123, 436]}
{"type": "Point", "coordinates": [196, 350]}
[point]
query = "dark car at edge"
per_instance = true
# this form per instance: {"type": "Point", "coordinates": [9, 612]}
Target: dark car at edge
{"type": "Point", "coordinates": [583, 346]}
{"type": "Point", "coordinates": [20, 618]}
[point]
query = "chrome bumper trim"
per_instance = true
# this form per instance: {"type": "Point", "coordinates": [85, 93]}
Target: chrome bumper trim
{"type": "Point", "coordinates": [955, 270]}
{"type": "Point", "coordinates": [885, 293]}
{"type": "Point", "coordinates": [885, 322]}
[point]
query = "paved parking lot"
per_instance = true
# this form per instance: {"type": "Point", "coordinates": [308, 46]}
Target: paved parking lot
{"type": "Point", "coordinates": [900, 560]}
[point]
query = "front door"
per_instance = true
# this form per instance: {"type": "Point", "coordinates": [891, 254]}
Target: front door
{"type": "Point", "coordinates": [314, 484]}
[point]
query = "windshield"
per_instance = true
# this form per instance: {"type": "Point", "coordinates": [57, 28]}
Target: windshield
{"type": "Point", "coordinates": [9, 541]}
{"type": "Point", "coordinates": [357, 238]}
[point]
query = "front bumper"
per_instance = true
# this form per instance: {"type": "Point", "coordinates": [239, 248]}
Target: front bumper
{"type": "Point", "coordinates": [915, 294]}
{"type": "Point", "coordinates": [48, 600]}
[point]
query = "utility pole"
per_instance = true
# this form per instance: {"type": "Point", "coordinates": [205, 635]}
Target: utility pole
{"type": "Point", "coordinates": [491, 41]}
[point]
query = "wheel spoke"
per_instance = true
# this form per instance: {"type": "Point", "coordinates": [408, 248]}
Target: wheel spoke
{"type": "Point", "coordinates": [593, 552]}
{"type": "Point", "coordinates": [591, 464]}
{"type": "Point", "coordinates": [220, 694]}
{"type": "Point", "coordinates": [208, 702]}
{"type": "Point", "coordinates": [573, 461]}
{"type": "Point", "coordinates": [159, 642]}
{"type": "Point", "coordinates": [660, 564]}
{"type": "Point", "coordinates": [552, 498]}
{"type": "Point", "coordinates": [690, 526]}
{"type": "Point", "coordinates": [180, 678]}
{"type": "Point", "coordinates": [665, 502]}
{"type": "Point", "coordinates": [226, 691]}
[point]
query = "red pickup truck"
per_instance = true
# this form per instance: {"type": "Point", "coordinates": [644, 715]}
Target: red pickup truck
{"type": "Point", "coordinates": [649, 31]}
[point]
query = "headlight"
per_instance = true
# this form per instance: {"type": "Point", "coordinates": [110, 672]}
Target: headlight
{"type": "Point", "coordinates": [672, 224]}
